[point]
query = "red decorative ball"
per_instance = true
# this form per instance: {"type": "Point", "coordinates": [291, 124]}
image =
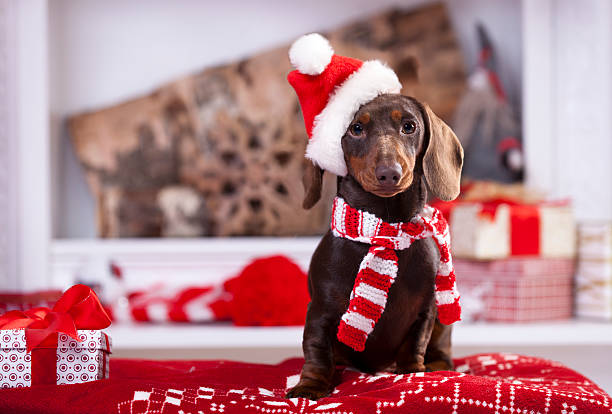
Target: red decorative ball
{"type": "Point", "coordinates": [270, 291]}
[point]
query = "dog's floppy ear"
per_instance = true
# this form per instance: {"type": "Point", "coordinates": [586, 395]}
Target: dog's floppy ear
{"type": "Point", "coordinates": [443, 157]}
{"type": "Point", "coordinates": [313, 182]}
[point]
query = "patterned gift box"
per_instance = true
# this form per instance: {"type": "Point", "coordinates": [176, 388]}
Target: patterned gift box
{"type": "Point", "coordinates": [594, 272]}
{"type": "Point", "coordinates": [71, 362]}
{"type": "Point", "coordinates": [515, 289]}
{"type": "Point", "coordinates": [496, 230]}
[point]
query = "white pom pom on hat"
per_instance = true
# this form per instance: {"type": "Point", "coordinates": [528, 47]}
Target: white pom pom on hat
{"type": "Point", "coordinates": [311, 54]}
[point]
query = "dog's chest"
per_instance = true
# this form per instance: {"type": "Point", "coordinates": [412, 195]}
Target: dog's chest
{"type": "Point", "coordinates": [333, 272]}
{"type": "Point", "coordinates": [416, 266]}
{"type": "Point", "coordinates": [411, 295]}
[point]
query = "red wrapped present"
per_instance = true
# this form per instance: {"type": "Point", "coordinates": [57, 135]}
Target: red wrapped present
{"type": "Point", "coordinates": [62, 345]}
{"type": "Point", "coordinates": [503, 228]}
{"type": "Point", "coordinates": [516, 289]}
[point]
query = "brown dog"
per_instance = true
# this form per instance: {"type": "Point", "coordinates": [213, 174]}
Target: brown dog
{"type": "Point", "coordinates": [395, 149]}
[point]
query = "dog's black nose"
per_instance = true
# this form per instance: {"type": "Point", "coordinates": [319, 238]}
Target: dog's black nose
{"type": "Point", "coordinates": [388, 175]}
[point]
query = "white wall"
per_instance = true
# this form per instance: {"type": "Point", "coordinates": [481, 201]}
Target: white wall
{"type": "Point", "coordinates": [568, 102]}
{"type": "Point", "coordinates": [8, 190]}
{"type": "Point", "coordinates": [24, 146]}
{"type": "Point", "coordinates": [102, 52]}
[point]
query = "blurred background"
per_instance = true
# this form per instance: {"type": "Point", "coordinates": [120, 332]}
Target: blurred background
{"type": "Point", "coordinates": [154, 151]}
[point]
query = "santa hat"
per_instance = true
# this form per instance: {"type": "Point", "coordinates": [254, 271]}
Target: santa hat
{"type": "Point", "coordinates": [331, 89]}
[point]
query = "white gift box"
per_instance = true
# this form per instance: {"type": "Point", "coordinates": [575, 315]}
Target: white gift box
{"type": "Point", "coordinates": [595, 241]}
{"type": "Point", "coordinates": [594, 272]}
{"type": "Point", "coordinates": [75, 362]}
{"type": "Point", "coordinates": [548, 230]}
{"type": "Point", "coordinates": [477, 237]}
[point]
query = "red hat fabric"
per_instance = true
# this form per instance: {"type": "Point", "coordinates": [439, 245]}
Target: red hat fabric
{"type": "Point", "coordinates": [331, 89]}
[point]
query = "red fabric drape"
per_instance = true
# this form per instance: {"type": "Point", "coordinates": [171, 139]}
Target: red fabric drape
{"type": "Point", "coordinates": [140, 387]}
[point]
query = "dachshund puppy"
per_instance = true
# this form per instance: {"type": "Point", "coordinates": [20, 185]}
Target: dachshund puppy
{"type": "Point", "coordinates": [397, 152]}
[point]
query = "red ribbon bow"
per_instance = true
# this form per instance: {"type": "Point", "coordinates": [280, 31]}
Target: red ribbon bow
{"type": "Point", "coordinates": [78, 308]}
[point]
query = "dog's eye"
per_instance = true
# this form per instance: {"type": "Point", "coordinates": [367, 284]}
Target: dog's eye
{"type": "Point", "coordinates": [408, 127]}
{"type": "Point", "coordinates": [356, 129]}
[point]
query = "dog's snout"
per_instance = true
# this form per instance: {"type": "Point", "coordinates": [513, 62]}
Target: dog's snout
{"type": "Point", "coordinates": [388, 174]}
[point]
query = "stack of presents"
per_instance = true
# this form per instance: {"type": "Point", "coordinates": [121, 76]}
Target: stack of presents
{"type": "Point", "coordinates": [516, 257]}
{"type": "Point", "coordinates": [594, 271]}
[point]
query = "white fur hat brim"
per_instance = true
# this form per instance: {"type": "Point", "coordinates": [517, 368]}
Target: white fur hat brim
{"type": "Point", "coordinates": [324, 148]}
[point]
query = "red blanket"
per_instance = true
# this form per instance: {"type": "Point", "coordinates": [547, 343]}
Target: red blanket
{"type": "Point", "coordinates": [483, 384]}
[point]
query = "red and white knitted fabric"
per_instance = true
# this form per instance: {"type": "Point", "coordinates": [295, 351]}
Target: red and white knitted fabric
{"type": "Point", "coordinates": [379, 267]}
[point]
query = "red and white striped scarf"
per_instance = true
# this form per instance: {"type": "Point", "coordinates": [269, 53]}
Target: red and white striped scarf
{"type": "Point", "coordinates": [378, 268]}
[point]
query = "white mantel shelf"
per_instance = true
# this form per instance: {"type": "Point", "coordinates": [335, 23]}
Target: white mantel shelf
{"type": "Point", "coordinates": [180, 262]}
{"type": "Point", "coordinates": [549, 334]}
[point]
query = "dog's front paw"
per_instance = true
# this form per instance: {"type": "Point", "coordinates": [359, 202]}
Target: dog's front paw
{"type": "Point", "coordinates": [307, 391]}
{"type": "Point", "coordinates": [440, 365]}
{"type": "Point", "coordinates": [410, 368]}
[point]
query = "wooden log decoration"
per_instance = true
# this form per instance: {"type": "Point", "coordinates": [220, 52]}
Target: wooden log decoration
{"type": "Point", "coordinates": [221, 152]}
